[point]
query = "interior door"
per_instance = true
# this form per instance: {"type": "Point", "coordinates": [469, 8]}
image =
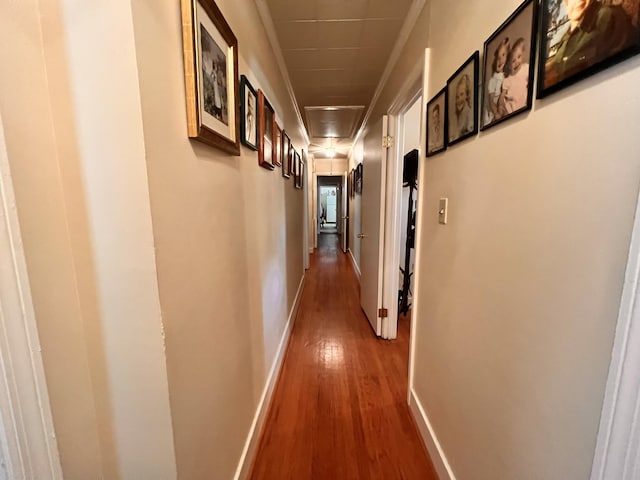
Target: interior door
{"type": "Point", "coordinates": [344, 212]}
{"type": "Point", "coordinates": [371, 236]}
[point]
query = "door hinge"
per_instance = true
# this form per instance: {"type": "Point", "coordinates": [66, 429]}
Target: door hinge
{"type": "Point", "coordinates": [383, 313]}
{"type": "Point", "coordinates": [387, 142]}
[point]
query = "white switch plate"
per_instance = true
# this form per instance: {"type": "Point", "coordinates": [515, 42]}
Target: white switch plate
{"type": "Point", "coordinates": [443, 210]}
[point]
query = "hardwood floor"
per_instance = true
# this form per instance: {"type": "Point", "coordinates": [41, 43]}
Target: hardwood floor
{"type": "Point", "coordinates": [339, 411]}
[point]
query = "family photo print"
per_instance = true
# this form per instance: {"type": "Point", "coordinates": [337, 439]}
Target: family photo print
{"type": "Point", "coordinates": [462, 100]}
{"type": "Point", "coordinates": [211, 76]}
{"type": "Point", "coordinates": [436, 123]}
{"type": "Point", "coordinates": [509, 58]}
{"type": "Point", "coordinates": [582, 37]}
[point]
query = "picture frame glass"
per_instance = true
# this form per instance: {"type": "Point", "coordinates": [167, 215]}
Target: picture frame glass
{"type": "Point", "coordinates": [508, 70]}
{"type": "Point", "coordinates": [582, 37]}
{"type": "Point", "coordinates": [462, 101]}
{"type": "Point", "coordinates": [249, 114]}
{"type": "Point", "coordinates": [436, 123]}
{"type": "Point", "coordinates": [266, 133]}
{"type": "Point", "coordinates": [277, 145]}
{"type": "Point", "coordinates": [215, 69]}
{"type": "Point", "coordinates": [286, 155]}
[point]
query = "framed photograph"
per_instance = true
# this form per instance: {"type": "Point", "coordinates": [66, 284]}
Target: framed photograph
{"type": "Point", "coordinates": [437, 123]}
{"type": "Point", "coordinates": [286, 155]}
{"type": "Point", "coordinates": [277, 144]}
{"type": "Point", "coordinates": [508, 73]}
{"type": "Point", "coordinates": [266, 129]}
{"type": "Point", "coordinates": [359, 170]}
{"type": "Point", "coordinates": [248, 114]}
{"type": "Point", "coordinates": [462, 101]}
{"type": "Point", "coordinates": [351, 189]}
{"type": "Point", "coordinates": [297, 169]}
{"type": "Point", "coordinates": [211, 76]}
{"type": "Point", "coordinates": [582, 37]}
{"type": "Point", "coordinates": [300, 170]}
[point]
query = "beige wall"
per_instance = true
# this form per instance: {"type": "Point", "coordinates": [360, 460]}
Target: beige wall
{"type": "Point", "coordinates": [519, 293]}
{"type": "Point", "coordinates": [109, 190]}
{"type": "Point", "coordinates": [228, 243]}
{"type": "Point", "coordinates": [355, 205]}
{"type": "Point", "coordinates": [42, 208]}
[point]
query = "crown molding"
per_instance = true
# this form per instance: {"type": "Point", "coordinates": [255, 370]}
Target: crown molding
{"type": "Point", "coordinates": [407, 27]}
{"type": "Point", "coordinates": [270, 28]}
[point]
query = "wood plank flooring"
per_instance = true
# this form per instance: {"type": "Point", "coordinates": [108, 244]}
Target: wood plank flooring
{"type": "Point", "coordinates": [339, 411]}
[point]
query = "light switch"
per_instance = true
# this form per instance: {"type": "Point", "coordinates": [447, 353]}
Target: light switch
{"type": "Point", "coordinates": [442, 211]}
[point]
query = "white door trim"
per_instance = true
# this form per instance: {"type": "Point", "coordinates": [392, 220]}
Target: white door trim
{"type": "Point", "coordinates": [415, 309]}
{"type": "Point", "coordinates": [617, 454]}
{"type": "Point", "coordinates": [28, 440]}
{"type": "Point", "coordinates": [408, 94]}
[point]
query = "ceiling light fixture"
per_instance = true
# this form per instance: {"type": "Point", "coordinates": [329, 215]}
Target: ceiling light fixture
{"type": "Point", "coordinates": [330, 150]}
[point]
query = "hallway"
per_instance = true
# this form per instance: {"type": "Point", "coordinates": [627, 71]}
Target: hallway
{"type": "Point", "coordinates": [339, 410]}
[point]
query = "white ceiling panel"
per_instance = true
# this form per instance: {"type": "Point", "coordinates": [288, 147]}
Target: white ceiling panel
{"type": "Point", "coordinates": [376, 33]}
{"type": "Point", "coordinates": [341, 9]}
{"type": "Point", "coordinates": [387, 8]}
{"type": "Point", "coordinates": [335, 52]}
{"type": "Point", "coordinates": [333, 122]}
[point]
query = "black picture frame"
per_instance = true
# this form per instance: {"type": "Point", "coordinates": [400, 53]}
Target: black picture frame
{"type": "Point", "coordinates": [359, 172]}
{"type": "Point", "coordinates": [248, 114]}
{"type": "Point", "coordinates": [506, 94]}
{"type": "Point", "coordinates": [463, 124]}
{"type": "Point", "coordinates": [559, 66]}
{"type": "Point", "coordinates": [436, 123]}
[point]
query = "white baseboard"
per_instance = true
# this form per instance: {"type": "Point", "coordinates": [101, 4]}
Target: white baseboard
{"type": "Point", "coordinates": [355, 264]}
{"type": "Point", "coordinates": [430, 440]}
{"type": "Point", "coordinates": [250, 446]}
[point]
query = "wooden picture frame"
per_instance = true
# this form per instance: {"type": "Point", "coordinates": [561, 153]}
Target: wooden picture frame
{"type": "Point", "coordinates": [266, 129]}
{"type": "Point", "coordinates": [211, 76]}
{"type": "Point", "coordinates": [286, 155]}
{"type": "Point", "coordinates": [277, 145]}
{"type": "Point", "coordinates": [462, 101]}
{"type": "Point", "coordinates": [437, 123]}
{"type": "Point", "coordinates": [566, 57]}
{"type": "Point", "coordinates": [507, 80]}
{"type": "Point", "coordinates": [248, 114]}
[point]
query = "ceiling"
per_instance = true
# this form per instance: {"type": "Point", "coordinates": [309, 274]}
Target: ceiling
{"type": "Point", "coordinates": [335, 52]}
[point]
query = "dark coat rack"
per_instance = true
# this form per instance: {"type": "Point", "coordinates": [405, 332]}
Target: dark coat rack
{"type": "Point", "coordinates": [409, 177]}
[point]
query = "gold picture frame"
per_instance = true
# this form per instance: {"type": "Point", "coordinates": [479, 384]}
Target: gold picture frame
{"type": "Point", "coordinates": [211, 76]}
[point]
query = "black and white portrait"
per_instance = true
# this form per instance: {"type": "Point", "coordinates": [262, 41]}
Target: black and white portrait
{"type": "Point", "coordinates": [214, 76]}
{"type": "Point", "coordinates": [436, 115]}
{"type": "Point", "coordinates": [462, 101]}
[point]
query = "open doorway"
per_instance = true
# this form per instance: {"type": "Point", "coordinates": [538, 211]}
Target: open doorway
{"type": "Point", "coordinates": [331, 212]}
{"type": "Point", "coordinates": [401, 193]}
{"type": "Point", "coordinates": [328, 209]}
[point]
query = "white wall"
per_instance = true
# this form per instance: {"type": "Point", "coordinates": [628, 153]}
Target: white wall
{"type": "Point", "coordinates": [519, 293]}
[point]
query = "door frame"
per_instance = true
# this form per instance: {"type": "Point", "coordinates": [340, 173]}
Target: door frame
{"type": "Point", "coordinates": [411, 91]}
{"type": "Point", "coordinates": [337, 183]}
{"type": "Point", "coordinates": [617, 453]}
{"type": "Point", "coordinates": [27, 437]}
